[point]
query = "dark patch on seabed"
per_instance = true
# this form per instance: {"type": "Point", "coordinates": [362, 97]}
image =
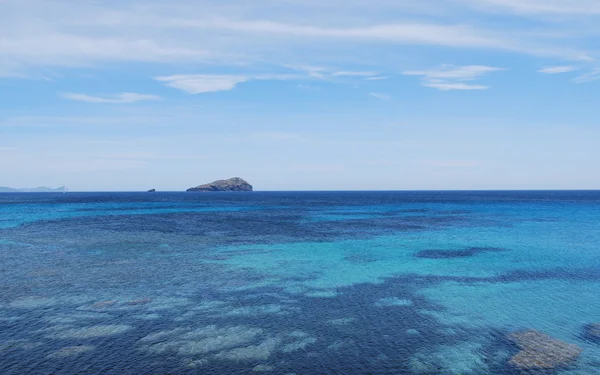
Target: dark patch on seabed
{"type": "Point", "coordinates": [591, 273]}
{"type": "Point", "coordinates": [211, 229]}
{"type": "Point", "coordinates": [352, 333]}
{"type": "Point", "coordinates": [461, 253]}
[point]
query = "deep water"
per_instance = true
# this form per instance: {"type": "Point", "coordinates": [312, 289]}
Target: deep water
{"type": "Point", "coordinates": [295, 283]}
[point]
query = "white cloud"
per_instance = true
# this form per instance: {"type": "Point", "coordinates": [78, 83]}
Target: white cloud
{"type": "Point", "coordinates": [377, 78]}
{"type": "Point", "coordinates": [40, 33]}
{"type": "Point", "coordinates": [445, 86]}
{"type": "Point", "coordinates": [589, 77]}
{"type": "Point", "coordinates": [353, 74]}
{"type": "Point", "coordinates": [62, 49]}
{"type": "Point", "coordinates": [202, 83]}
{"type": "Point", "coordinates": [403, 33]}
{"type": "Point", "coordinates": [450, 77]}
{"type": "Point", "coordinates": [461, 73]}
{"type": "Point", "coordinates": [380, 96]}
{"type": "Point", "coordinates": [199, 83]}
{"type": "Point", "coordinates": [317, 72]}
{"type": "Point", "coordinates": [122, 98]}
{"type": "Point", "coordinates": [328, 74]}
{"type": "Point", "coordinates": [557, 69]}
{"type": "Point", "coordinates": [564, 7]}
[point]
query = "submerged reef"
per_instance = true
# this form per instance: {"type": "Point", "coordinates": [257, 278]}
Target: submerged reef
{"type": "Point", "coordinates": [541, 352]}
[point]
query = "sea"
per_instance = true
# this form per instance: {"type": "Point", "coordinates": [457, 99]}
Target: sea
{"type": "Point", "coordinates": [296, 282]}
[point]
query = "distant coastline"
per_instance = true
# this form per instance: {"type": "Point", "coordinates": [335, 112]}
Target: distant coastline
{"type": "Point", "coordinates": [41, 189]}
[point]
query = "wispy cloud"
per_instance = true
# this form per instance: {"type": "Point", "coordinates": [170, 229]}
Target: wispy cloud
{"type": "Point", "coordinates": [380, 96]}
{"type": "Point", "coordinates": [354, 74]}
{"type": "Point", "coordinates": [450, 77]}
{"type": "Point", "coordinates": [589, 77]}
{"type": "Point", "coordinates": [122, 98]}
{"type": "Point", "coordinates": [329, 74]}
{"type": "Point", "coordinates": [6, 73]}
{"type": "Point", "coordinates": [557, 69]}
{"type": "Point", "coordinates": [570, 7]}
{"type": "Point", "coordinates": [405, 33]}
{"type": "Point", "coordinates": [317, 72]}
{"type": "Point", "coordinates": [200, 83]}
{"type": "Point", "coordinates": [459, 73]}
{"type": "Point", "coordinates": [203, 83]}
{"type": "Point", "coordinates": [91, 33]}
{"type": "Point", "coordinates": [445, 86]}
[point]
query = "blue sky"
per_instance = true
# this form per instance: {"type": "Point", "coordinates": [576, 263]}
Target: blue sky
{"type": "Point", "coordinates": [300, 94]}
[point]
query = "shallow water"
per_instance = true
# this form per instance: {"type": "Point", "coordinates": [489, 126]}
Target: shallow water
{"type": "Point", "coordinates": [304, 283]}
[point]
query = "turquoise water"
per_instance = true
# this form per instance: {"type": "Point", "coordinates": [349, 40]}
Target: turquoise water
{"type": "Point", "coordinates": [304, 283]}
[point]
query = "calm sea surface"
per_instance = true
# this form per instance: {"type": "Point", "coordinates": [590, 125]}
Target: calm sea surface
{"type": "Point", "coordinates": [295, 283]}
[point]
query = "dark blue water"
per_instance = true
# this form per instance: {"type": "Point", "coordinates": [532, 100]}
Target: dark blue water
{"type": "Point", "coordinates": [295, 283]}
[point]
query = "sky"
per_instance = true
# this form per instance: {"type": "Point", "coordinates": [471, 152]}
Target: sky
{"type": "Point", "coordinates": [300, 94]}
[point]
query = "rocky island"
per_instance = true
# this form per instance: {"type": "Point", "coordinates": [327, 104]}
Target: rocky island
{"type": "Point", "coordinates": [232, 184]}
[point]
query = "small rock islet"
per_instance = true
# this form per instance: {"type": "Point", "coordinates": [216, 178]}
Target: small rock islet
{"type": "Point", "coordinates": [232, 184]}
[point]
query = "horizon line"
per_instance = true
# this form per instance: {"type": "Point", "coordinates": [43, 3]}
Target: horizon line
{"type": "Point", "coordinates": [304, 191]}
